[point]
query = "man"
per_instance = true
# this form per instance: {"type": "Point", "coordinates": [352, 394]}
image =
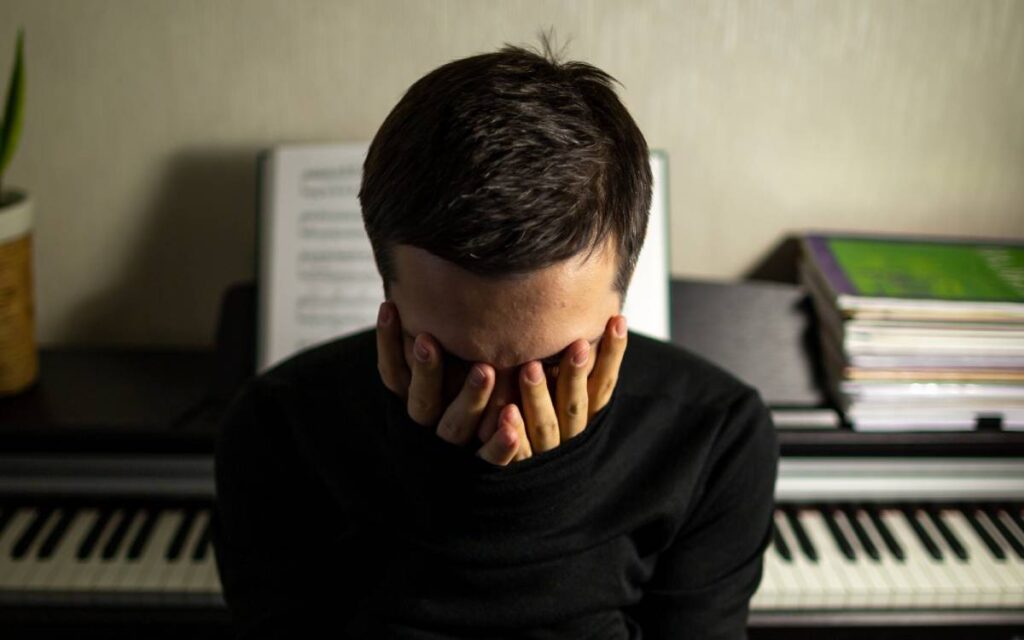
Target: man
{"type": "Point", "coordinates": [491, 460]}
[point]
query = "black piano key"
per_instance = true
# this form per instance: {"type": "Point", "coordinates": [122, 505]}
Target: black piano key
{"type": "Point", "coordinates": [837, 534]}
{"type": "Point", "coordinates": [57, 533]}
{"type": "Point", "coordinates": [204, 542]}
{"type": "Point", "coordinates": [31, 532]}
{"type": "Point", "coordinates": [947, 534]}
{"type": "Point", "coordinates": [178, 542]}
{"type": "Point", "coordinates": [890, 540]}
{"type": "Point", "coordinates": [85, 549]}
{"type": "Point", "coordinates": [801, 536]}
{"type": "Point", "coordinates": [866, 542]}
{"type": "Point", "coordinates": [142, 537]}
{"type": "Point", "coordinates": [780, 544]}
{"type": "Point", "coordinates": [972, 517]}
{"type": "Point", "coordinates": [929, 544]}
{"type": "Point", "coordinates": [1011, 539]}
{"type": "Point", "coordinates": [114, 544]}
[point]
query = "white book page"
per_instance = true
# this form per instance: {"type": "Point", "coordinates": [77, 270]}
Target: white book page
{"type": "Point", "coordinates": [317, 277]}
{"type": "Point", "coordinates": [646, 307]}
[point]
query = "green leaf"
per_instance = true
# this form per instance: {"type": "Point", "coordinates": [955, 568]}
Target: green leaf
{"type": "Point", "coordinates": [10, 130]}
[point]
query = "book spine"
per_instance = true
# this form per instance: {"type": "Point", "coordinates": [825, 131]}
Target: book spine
{"type": "Point", "coordinates": [824, 261]}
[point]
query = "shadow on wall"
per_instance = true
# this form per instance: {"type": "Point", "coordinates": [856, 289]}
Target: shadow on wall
{"type": "Point", "coordinates": [199, 238]}
{"type": "Point", "coordinates": [779, 264]}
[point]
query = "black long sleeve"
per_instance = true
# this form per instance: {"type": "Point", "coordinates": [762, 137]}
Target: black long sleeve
{"type": "Point", "coordinates": [336, 511]}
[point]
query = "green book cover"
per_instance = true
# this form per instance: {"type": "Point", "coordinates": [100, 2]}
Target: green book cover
{"type": "Point", "coordinates": [933, 270]}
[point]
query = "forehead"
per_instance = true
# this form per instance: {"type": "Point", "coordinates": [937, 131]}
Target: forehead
{"type": "Point", "coordinates": [505, 320]}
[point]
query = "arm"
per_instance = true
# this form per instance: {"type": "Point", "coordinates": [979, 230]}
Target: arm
{"type": "Point", "coordinates": [280, 540]}
{"type": "Point", "coordinates": [703, 582]}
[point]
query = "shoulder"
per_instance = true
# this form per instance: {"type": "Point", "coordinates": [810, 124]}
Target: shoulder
{"type": "Point", "coordinates": [345, 359]}
{"type": "Point", "coordinates": [689, 409]}
{"type": "Point", "coordinates": [324, 384]}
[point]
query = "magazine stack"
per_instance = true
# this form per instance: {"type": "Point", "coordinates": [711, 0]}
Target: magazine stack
{"type": "Point", "coordinates": [919, 333]}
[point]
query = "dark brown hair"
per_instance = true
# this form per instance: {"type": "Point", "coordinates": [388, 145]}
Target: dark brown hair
{"type": "Point", "coordinates": [508, 162]}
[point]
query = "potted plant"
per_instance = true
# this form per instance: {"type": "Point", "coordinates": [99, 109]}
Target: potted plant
{"type": "Point", "coordinates": [19, 361]}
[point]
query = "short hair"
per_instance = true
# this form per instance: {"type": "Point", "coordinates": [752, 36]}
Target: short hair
{"type": "Point", "coordinates": [507, 162]}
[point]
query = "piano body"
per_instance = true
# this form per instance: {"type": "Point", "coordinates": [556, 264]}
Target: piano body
{"type": "Point", "coordinates": [105, 525]}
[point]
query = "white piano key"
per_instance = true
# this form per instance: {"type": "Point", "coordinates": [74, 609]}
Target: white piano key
{"type": "Point", "coordinates": [946, 591]}
{"type": "Point", "coordinates": [9, 567]}
{"type": "Point", "coordinates": [998, 571]}
{"type": "Point", "coordinates": [117, 580]}
{"type": "Point", "coordinates": [926, 589]}
{"type": "Point", "coordinates": [1016, 569]}
{"type": "Point", "coordinates": [788, 588]}
{"type": "Point", "coordinates": [176, 579]}
{"type": "Point", "coordinates": [831, 560]}
{"type": "Point", "coordinates": [99, 568]}
{"type": "Point", "coordinates": [153, 564]}
{"type": "Point", "coordinates": [212, 584]}
{"type": "Point", "coordinates": [129, 575]}
{"type": "Point", "coordinates": [67, 573]}
{"type": "Point", "coordinates": [866, 568]}
{"type": "Point", "coordinates": [1011, 526]}
{"type": "Point", "coordinates": [41, 568]}
{"type": "Point", "coordinates": [973, 587]}
{"type": "Point", "coordinates": [812, 592]}
{"type": "Point", "coordinates": [1017, 593]}
{"type": "Point", "coordinates": [902, 591]}
{"type": "Point", "coordinates": [26, 569]}
{"type": "Point", "coordinates": [196, 580]}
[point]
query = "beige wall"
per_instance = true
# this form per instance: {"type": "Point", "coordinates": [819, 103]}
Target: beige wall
{"type": "Point", "coordinates": [144, 117]}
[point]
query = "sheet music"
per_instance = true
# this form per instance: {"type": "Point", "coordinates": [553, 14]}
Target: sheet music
{"type": "Point", "coordinates": [317, 277]}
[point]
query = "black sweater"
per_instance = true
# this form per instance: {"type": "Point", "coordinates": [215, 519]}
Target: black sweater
{"type": "Point", "coordinates": [336, 512]}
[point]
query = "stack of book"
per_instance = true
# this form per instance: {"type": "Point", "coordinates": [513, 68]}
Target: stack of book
{"type": "Point", "coordinates": [919, 333]}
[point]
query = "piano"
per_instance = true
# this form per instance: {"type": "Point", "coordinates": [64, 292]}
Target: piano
{"type": "Point", "coordinates": [901, 535]}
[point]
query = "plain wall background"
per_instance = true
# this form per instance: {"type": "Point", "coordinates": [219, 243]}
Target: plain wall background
{"type": "Point", "coordinates": [144, 118]}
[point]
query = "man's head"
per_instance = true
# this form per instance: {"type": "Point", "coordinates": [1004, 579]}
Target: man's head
{"type": "Point", "coordinates": [505, 163]}
{"type": "Point", "coordinates": [506, 197]}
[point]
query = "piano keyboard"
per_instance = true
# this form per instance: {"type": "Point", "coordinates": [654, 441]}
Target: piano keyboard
{"type": "Point", "coordinates": [896, 557]}
{"type": "Point", "coordinates": [825, 557]}
{"type": "Point", "coordinates": [107, 555]}
{"type": "Point", "coordinates": [856, 541]}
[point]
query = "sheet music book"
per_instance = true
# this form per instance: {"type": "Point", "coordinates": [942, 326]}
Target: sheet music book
{"type": "Point", "coordinates": [317, 277]}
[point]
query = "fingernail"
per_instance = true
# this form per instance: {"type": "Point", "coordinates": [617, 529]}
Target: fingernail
{"type": "Point", "coordinates": [421, 350]}
{"type": "Point", "coordinates": [384, 314]}
{"type": "Point", "coordinates": [534, 373]}
{"type": "Point", "coordinates": [582, 355]}
{"type": "Point", "coordinates": [620, 327]}
{"type": "Point", "coordinates": [477, 377]}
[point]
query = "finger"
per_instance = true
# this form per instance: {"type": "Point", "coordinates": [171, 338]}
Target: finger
{"type": "Point", "coordinates": [606, 370]}
{"type": "Point", "coordinates": [541, 420]}
{"type": "Point", "coordinates": [571, 393]}
{"type": "Point", "coordinates": [424, 402]}
{"type": "Point", "coordinates": [502, 446]}
{"type": "Point", "coordinates": [459, 423]}
{"type": "Point", "coordinates": [394, 372]}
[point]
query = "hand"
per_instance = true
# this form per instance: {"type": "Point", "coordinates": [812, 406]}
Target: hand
{"type": "Point", "coordinates": [420, 379]}
{"type": "Point", "coordinates": [583, 385]}
{"type": "Point", "coordinates": [581, 390]}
